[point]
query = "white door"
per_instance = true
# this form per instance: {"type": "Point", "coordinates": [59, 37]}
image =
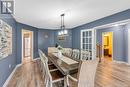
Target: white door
{"type": "Point", "coordinates": [129, 46]}
{"type": "Point", "coordinates": [88, 42]}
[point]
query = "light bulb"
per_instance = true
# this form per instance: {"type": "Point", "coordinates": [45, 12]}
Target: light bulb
{"type": "Point", "coordinates": [116, 25]}
{"type": "Point", "coordinates": [59, 33]}
{"type": "Point", "coordinates": [62, 32]}
{"type": "Point", "coordinates": [65, 32]}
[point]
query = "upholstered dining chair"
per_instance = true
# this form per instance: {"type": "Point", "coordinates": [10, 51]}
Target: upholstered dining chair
{"type": "Point", "coordinates": [76, 54]}
{"type": "Point", "coordinates": [86, 74]}
{"type": "Point", "coordinates": [85, 55]}
{"type": "Point", "coordinates": [52, 77]}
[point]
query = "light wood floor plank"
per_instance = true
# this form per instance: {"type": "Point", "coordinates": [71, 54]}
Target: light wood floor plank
{"type": "Point", "coordinates": [108, 74]}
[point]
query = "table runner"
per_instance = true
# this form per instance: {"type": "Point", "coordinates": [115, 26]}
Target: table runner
{"type": "Point", "coordinates": [66, 59]}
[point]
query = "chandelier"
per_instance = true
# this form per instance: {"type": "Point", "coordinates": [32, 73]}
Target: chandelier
{"type": "Point", "coordinates": [63, 31]}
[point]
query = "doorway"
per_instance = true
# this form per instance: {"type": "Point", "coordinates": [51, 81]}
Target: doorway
{"type": "Point", "coordinates": [107, 45]}
{"type": "Point", "coordinates": [27, 44]}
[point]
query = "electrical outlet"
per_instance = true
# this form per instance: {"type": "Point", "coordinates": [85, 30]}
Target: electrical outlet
{"type": "Point", "coordinates": [9, 65]}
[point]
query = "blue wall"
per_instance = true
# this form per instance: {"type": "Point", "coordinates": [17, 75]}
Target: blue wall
{"type": "Point", "coordinates": [118, 41]}
{"type": "Point", "coordinates": [110, 19]}
{"type": "Point", "coordinates": [67, 43]}
{"type": "Point", "coordinates": [126, 40]}
{"type": "Point", "coordinates": [19, 40]}
{"type": "Point", "coordinates": [43, 41]}
{"type": "Point", "coordinates": [5, 71]}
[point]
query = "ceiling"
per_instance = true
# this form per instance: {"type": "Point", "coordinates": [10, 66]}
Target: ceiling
{"type": "Point", "coordinates": [46, 13]}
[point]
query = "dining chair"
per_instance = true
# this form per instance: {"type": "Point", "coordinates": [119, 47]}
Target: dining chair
{"type": "Point", "coordinates": [85, 55]}
{"type": "Point", "coordinates": [76, 54]}
{"type": "Point", "coordinates": [86, 74]}
{"type": "Point", "coordinates": [53, 77]}
{"type": "Point", "coordinates": [41, 58]}
{"type": "Point", "coordinates": [46, 69]}
{"type": "Point", "coordinates": [67, 52]}
{"type": "Point", "coordinates": [45, 59]}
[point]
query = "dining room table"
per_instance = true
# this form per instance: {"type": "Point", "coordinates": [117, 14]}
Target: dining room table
{"type": "Point", "coordinates": [64, 64]}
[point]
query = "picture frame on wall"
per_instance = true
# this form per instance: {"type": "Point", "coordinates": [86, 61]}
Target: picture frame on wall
{"type": "Point", "coordinates": [5, 39]}
{"type": "Point", "coordinates": [61, 38]}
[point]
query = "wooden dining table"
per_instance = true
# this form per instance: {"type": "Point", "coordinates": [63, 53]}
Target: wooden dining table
{"type": "Point", "coordinates": [65, 64]}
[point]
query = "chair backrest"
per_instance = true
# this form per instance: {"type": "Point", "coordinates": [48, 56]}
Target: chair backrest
{"type": "Point", "coordinates": [87, 72]}
{"type": "Point", "coordinates": [76, 54]}
{"type": "Point", "coordinates": [68, 51]}
{"type": "Point", "coordinates": [85, 55]}
{"type": "Point", "coordinates": [42, 55]}
{"type": "Point", "coordinates": [47, 75]}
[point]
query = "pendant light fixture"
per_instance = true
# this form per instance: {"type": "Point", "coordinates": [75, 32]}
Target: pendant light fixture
{"type": "Point", "coordinates": [63, 31]}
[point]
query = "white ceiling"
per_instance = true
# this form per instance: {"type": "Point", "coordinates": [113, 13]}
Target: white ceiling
{"type": "Point", "coordinates": [46, 13]}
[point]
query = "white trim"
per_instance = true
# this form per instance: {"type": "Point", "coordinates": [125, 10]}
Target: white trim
{"type": "Point", "coordinates": [123, 22]}
{"type": "Point", "coordinates": [103, 46]}
{"type": "Point", "coordinates": [22, 43]}
{"type": "Point", "coordinates": [18, 65]}
{"type": "Point", "coordinates": [10, 76]}
{"type": "Point", "coordinates": [32, 45]}
{"type": "Point", "coordinates": [128, 46]}
{"type": "Point", "coordinates": [36, 59]}
{"type": "Point", "coordinates": [95, 43]}
{"type": "Point", "coordinates": [120, 62]}
{"type": "Point", "coordinates": [93, 40]}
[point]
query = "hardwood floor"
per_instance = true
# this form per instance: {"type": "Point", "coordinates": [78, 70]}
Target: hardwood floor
{"type": "Point", "coordinates": [111, 74]}
{"type": "Point", "coordinates": [28, 75]}
{"type": "Point", "coordinates": [108, 74]}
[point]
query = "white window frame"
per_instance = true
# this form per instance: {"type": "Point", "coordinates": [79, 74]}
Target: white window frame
{"type": "Point", "coordinates": [93, 41]}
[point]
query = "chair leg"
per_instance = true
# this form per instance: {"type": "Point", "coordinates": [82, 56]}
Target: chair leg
{"type": "Point", "coordinates": [65, 81]}
{"type": "Point", "coordinates": [41, 68]}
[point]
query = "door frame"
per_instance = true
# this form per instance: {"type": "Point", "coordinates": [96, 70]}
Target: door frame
{"type": "Point", "coordinates": [103, 42]}
{"type": "Point", "coordinates": [128, 46]}
{"type": "Point", "coordinates": [93, 41]}
{"type": "Point", "coordinates": [32, 58]}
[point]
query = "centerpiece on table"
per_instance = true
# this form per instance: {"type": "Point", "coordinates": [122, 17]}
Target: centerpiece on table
{"type": "Point", "coordinates": [59, 48]}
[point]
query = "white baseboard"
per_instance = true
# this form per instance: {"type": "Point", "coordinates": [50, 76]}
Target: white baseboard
{"type": "Point", "coordinates": [10, 76]}
{"type": "Point", "coordinates": [121, 62]}
{"type": "Point", "coordinates": [36, 58]}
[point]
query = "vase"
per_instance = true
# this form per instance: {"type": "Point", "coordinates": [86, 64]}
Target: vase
{"type": "Point", "coordinates": [59, 54]}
